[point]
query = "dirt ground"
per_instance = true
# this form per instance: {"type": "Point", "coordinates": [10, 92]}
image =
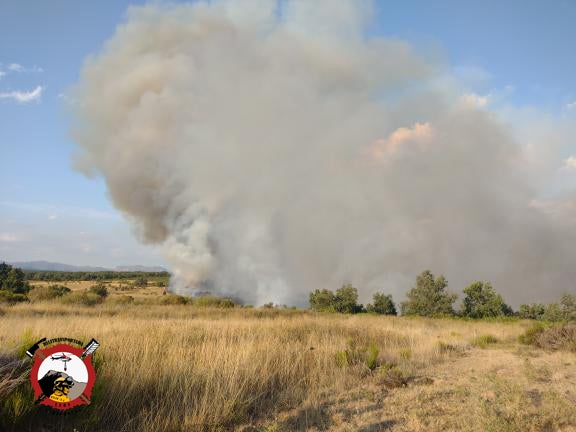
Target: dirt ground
{"type": "Point", "coordinates": [508, 388]}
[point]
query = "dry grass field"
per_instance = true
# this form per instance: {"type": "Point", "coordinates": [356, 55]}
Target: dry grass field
{"type": "Point", "coordinates": [186, 368]}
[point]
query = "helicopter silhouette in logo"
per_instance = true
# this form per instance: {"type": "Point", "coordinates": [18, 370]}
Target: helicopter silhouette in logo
{"type": "Point", "coordinates": [62, 357]}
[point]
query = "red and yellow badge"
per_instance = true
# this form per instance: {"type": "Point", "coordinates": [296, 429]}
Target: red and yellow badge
{"type": "Point", "coordinates": [62, 375]}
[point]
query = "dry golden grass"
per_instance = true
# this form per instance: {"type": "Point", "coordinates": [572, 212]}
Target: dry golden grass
{"type": "Point", "coordinates": [181, 368]}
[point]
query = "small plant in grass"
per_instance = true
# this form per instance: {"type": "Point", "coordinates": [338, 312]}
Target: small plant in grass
{"type": "Point", "coordinates": [393, 377]}
{"type": "Point", "coordinates": [446, 348]}
{"type": "Point", "coordinates": [531, 334]}
{"type": "Point", "coordinates": [372, 356]}
{"type": "Point", "coordinates": [355, 354]}
{"type": "Point", "coordinates": [405, 354]}
{"type": "Point", "coordinates": [483, 341]}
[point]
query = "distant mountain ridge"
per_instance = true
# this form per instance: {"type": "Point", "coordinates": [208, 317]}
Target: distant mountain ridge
{"type": "Point", "coordinates": [52, 266]}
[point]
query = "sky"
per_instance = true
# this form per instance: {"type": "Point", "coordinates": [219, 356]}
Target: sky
{"type": "Point", "coordinates": [519, 57]}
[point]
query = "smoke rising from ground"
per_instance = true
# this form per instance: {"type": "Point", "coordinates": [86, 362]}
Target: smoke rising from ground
{"type": "Point", "coordinates": [271, 149]}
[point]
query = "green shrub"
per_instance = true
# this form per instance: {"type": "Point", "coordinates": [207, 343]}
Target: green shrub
{"type": "Point", "coordinates": [556, 337]}
{"type": "Point", "coordinates": [172, 299]}
{"type": "Point", "coordinates": [531, 334]}
{"type": "Point", "coordinates": [81, 298]}
{"type": "Point", "coordinates": [213, 301]}
{"type": "Point", "coordinates": [372, 356]}
{"type": "Point", "coordinates": [355, 354]}
{"type": "Point", "coordinates": [100, 290]}
{"type": "Point", "coordinates": [9, 297]}
{"type": "Point", "coordinates": [44, 293]}
{"type": "Point", "coordinates": [483, 341]}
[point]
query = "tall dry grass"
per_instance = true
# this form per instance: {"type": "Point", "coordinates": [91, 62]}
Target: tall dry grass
{"type": "Point", "coordinates": [180, 368]}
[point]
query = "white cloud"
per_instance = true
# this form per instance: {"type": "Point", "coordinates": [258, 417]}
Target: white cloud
{"type": "Point", "coordinates": [8, 238]}
{"type": "Point", "coordinates": [15, 67]}
{"type": "Point", "coordinates": [570, 163]}
{"type": "Point", "coordinates": [474, 100]}
{"type": "Point", "coordinates": [23, 96]}
{"type": "Point", "coordinates": [571, 105]}
{"type": "Point", "coordinates": [2, 74]}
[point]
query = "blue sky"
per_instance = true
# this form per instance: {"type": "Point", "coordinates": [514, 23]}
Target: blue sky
{"type": "Point", "coordinates": [522, 51]}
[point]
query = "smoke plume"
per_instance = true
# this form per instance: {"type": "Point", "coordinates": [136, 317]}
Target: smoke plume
{"type": "Point", "coordinates": [273, 148]}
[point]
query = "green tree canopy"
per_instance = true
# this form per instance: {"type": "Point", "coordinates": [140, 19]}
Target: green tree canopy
{"type": "Point", "coordinates": [345, 300]}
{"type": "Point", "coordinates": [382, 304]}
{"type": "Point", "coordinates": [429, 297]}
{"type": "Point", "coordinates": [482, 301]}
{"type": "Point", "coordinates": [12, 279]}
{"type": "Point", "coordinates": [322, 301]}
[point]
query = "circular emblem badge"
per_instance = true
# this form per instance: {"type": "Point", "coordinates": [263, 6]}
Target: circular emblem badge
{"type": "Point", "coordinates": [62, 376]}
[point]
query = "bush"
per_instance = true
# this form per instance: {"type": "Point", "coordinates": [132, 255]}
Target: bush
{"type": "Point", "coordinates": [81, 298]}
{"type": "Point", "coordinates": [481, 301]}
{"type": "Point", "coordinates": [172, 299]}
{"type": "Point", "coordinates": [99, 289]}
{"type": "Point", "coordinates": [556, 337]}
{"type": "Point", "coordinates": [44, 293]}
{"type": "Point", "coordinates": [382, 304]}
{"type": "Point", "coordinates": [213, 301]}
{"type": "Point", "coordinates": [483, 341]}
{"type": "Point", "coordinates": [358, 355]}
{"type": "Point", "coordinates": [429, 297]}
{"type": "Point", "coordinates": [531, 334]}
{"type": "Point", "coordinates": [9, 297]}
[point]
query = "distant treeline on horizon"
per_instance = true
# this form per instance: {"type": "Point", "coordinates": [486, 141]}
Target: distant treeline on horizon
{"type": "Point", "coordinates": [57, 275]}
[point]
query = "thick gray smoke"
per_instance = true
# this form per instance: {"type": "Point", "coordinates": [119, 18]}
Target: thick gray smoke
{"type": "Point", "coordinates": [272, 148]}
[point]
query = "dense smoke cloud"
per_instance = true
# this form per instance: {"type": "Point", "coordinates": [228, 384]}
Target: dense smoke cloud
{"type": "Point", "coordinates": [272, 148]}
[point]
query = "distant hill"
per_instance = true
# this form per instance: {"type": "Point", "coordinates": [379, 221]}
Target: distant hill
{"type": "Point", "coordinates": [51, 266]}
{"type": "Point", "coordinates": [139, 268]}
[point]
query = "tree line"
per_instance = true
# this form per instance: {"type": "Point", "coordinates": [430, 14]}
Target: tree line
{"type": "Point", "coordinates": [430, 297]}
{"type": "Point", "coordinates": [61, 276]}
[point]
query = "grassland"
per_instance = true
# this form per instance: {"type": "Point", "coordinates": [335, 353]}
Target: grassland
{"type": "Point", "coordinates": [186, 368]}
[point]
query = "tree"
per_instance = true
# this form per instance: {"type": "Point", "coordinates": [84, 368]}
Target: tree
{"type": "Point", "coordinates": [382, 304]}
{"type": "Point", "coordinates": [532, 311]}
{"type": "Point", "coordinates": [347, 300]}
{"type": "Point", "coordinates": [13, 280]}
{"type": "Point", "coordinates": [429, 297]}
{"type": "Point", "coordinates": [322, 301]}
{"type": "Point", "coordinates": [482, 301]}
{"type": "Point", "coordinates": [141, 282]}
